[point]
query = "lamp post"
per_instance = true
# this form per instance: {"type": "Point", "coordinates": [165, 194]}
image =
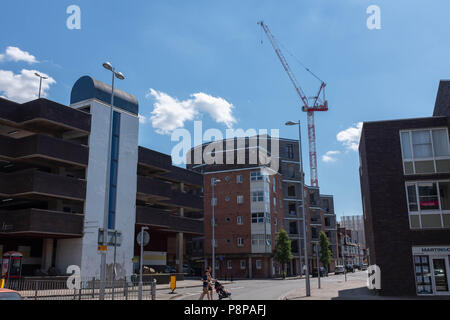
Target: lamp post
{"type": "Point", "coordinates": [40, 82]}
{"type": "Point", "coordinates": [305, 237]}
{"type": "Point", "coordinates": [213, 242]}
{"type": "Point", "coordinates": [119, 76]}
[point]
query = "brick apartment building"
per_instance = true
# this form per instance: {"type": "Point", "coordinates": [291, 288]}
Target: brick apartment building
{"type": "Point", "coordinates": [52, 186]}
{"type": "Point", "coordinates": [286, 197]}
{"type": "Point", "coordinates": [320, 217]}
{"type": "Point", "coordinates": [405, 187]}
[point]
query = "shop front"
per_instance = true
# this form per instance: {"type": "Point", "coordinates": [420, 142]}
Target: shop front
{"type": "Point", "coordinates": [432, 270]}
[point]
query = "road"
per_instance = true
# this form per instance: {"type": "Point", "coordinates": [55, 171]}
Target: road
{"type": "Point", "coordinates": [268, 289]}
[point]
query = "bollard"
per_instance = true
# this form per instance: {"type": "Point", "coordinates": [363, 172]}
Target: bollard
{"type": "Point", "coordinates": [154, 289]}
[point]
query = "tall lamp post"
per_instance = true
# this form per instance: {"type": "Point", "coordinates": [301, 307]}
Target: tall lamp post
{"type": "Point", "coordinates": [213, 242]}
{"type": "Point", "coordinates": [305, 237]}
{"type": "Point", "coordinates": [119, 76]}
{"type": "Point", "coordinates": [40, 82]}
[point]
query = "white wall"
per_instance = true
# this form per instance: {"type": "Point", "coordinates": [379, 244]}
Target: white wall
{"type": "Point", "coordinates": [96, 188]}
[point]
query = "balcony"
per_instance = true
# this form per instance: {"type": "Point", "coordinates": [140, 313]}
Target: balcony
{"type": "Point", "coordinates": [186, 200]}
{"type": "Point", "coordinates": [151, 189]}
{"type": "Point", "coordinates": [151, 162]}
{"type": "Point", "coordinates": [44, 148]}
{"type": "Point", "coordinates": [178, 175]}
{"type": "Point", "coordinates": [40, 184]}
{"type": "Point", "coordinates": [164, 220]}
{"type": "Point", "coordinates": [41, 222]}
{"type": "Point", "coordinates": [43, 115]}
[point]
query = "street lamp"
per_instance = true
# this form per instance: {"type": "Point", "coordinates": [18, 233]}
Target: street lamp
{"type": "Point", "coordinates": [40, 82]}
{"type": "Point", "coordinates": [119, 76]}
{"type": "Point", "coordinates": [305, 241]}
{"type": "Point", "coordinates": [213, 242]}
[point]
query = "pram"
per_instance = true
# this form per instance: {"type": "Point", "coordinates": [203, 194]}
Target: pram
{"type": "Point", "coordinates": [223, 294]}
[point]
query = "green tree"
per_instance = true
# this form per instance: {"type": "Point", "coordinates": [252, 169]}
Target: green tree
{"type": "Point", "coordinates": [283, 251]}
{"type": "Point", "coordinates": [325, 249]}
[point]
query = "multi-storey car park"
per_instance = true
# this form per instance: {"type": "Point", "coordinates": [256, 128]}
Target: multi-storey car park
{"type": "Point", "coordinates": [53, 182]}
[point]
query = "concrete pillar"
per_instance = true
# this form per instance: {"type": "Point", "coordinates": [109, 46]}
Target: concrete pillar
{"type": "Point", "coordinates": [180, 246]}
{"type": "Point", "coordinates": [250, 265]}
{"type": "Point", "coordinates": [47, 254]}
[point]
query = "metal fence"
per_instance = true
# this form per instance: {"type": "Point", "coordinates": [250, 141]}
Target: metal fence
{"type": "Point", "coordinates": [86, 290]}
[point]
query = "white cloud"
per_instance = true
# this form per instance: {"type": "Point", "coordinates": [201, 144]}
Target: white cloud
{"type": "Point", "coordinates": [142, 119]}
{"type": "Point", "coordinates": [169, 113]}
{"type": "Point", "coordinates": [351, 136]}
{"type": "Point", "coordinates": [328, 157]}
{"type": "Point", "coordinates": [24, 86]}
{"type": "Point", "coordinates": [16, 55]}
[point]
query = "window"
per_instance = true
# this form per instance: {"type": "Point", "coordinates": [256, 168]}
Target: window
{"type": "Point", "coordinates": [292, 209]}
{"type": "Point", "coordinates": [240, 242]}
{"type": "Point", "coordinates": [290, 151]}
{"type": "Point", "coordinates": [239, 179]}
{"type": "Point", "coordinates": [227, 199]}
{"type": "Point", "coordinates": [258, 240]}
{"type": "Point", "coordinates": [230, 264]}
{"type": "Point", "coordinates": [428, 204]}
{"type": "Point", "coordinates": [258, 196]}
{"type": "Point", "coordinates": [215, 243]}
{"type": "Point", "coordinates": [240, 199]}
{"type": "Point", "coordinates": [293, 227]}
{"type": "Point", "coordinates": [256, 176]}
{"type": "Point", "coordinates": [239, 220]}
{"type": "Point", "coordinates": [259, 264]}
{"type": "Point", "coordinates": [275, 204]}
{"type": "Point", "coordinates": [242, 264]}
{"type": "Point", "coordinates": [258, 217]}
{"type": "Point", "coordinates": [227, 179]}
{"type": "Point", "coordinates": [291, 171]}
{"type": "Point", "coordinates": [291, 190]}
{"type": "Point", "coordinates": [425, 151]}
{"type": "Point", "coordinates": [227, 219]}
{"type": "Point", "coordinates": [422, 271]}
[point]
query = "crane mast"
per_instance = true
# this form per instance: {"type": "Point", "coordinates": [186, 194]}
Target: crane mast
{"type": "Point", "coordinates": [318, 103]}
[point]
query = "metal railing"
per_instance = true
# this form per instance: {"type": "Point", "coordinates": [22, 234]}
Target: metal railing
{"type": "Point", "coordinates": [86, 290]}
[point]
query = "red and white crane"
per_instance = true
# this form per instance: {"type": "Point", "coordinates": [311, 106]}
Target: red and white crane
{"type": "Point", "coordinates": [310, 105]}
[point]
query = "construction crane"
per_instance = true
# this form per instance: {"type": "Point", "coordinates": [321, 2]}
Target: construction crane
{"type": "Point", "coordinates": [310, 105]}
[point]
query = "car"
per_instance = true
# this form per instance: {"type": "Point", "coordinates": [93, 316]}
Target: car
{"type": "Point", "coordinates": [170, 269]}
{"type": "Point", "coordinates": [349, 268]}
{"type": "Point", "coordinates": [6, 294]}
{"type": "Point", "coordinates": [356, 267]}
{"type": "Point", "coordinates": [323, 272]}
{"type": "Point", "coordinates": [187, 269]}
{"type": "Point", "coordinates": [364, 267]}
{"type": "Point", "coordinates": [339, 270]}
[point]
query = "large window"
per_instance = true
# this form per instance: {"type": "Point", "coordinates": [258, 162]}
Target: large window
{"type": "Point", "coordinates": [425, 151]}
{"type": "Point", "coordinates": [258, 217]}
{"type": "Point", "coordinates": [256, 176]}
{"type": "Point", "coordinates": [290, 151]}
{"type": "Point", "coordinates": [428, 204]}
{"type": "Point", "coordinates": [258, 196]}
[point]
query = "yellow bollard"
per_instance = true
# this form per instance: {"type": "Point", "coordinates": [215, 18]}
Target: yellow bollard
{"type": "Point", "coordinates": [173, 284]}
{"type": "Point", "coordinates": [2, 283]}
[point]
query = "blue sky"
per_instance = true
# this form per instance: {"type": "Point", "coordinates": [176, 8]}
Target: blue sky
{"type": "Point", "coordinates": [179, 48]}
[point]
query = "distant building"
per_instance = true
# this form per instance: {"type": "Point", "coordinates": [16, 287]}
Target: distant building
{"type": "Point", "coordinates": [356, 225]}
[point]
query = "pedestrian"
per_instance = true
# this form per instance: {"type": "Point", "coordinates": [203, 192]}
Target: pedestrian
{"type": "Point", "coordinates": [206, 284]}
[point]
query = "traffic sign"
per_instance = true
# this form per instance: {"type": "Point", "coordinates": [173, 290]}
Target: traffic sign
{"type": "Point", "coordinates": [102, 248]}
{"type": "Point", "coordinates": [146, 238]}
